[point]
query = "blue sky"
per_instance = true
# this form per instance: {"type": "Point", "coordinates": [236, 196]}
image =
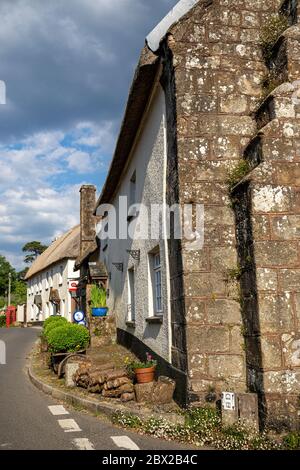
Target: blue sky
{"type": "Point", "coordinates": [67, 68]}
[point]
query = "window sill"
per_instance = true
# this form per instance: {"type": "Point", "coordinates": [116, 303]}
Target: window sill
{"type": "Point", "coordinates": [130, 324]}
{"type": "Point", "coordinates": [157, 319]}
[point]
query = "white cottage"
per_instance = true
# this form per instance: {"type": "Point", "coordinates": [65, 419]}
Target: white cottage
{"type": "Point", "coordinates": [51, 278]}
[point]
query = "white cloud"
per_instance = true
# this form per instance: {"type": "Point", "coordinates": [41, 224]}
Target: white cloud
{"type": "Point", "coordinates": [80, 162]}
{"type": "Point", "coordinates": [67, 67]}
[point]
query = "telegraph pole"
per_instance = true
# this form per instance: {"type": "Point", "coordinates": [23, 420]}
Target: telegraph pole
{"type": "Point", "coordinates": [9, 288]}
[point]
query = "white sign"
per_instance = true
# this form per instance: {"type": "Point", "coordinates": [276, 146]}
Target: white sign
{"type": "Point", "coordinates": [228, 401]}
{"type": "Point", "coordinates": [78, 316]}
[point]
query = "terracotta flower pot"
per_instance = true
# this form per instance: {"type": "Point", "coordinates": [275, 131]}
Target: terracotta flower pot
{"type": "Point", "coordinates": [146, 375]}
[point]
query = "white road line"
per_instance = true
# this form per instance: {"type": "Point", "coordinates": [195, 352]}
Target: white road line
{"type": "Point", "coordinates": [125, 442]}
{"type": "Point", "coordinates": [69, 425]}
{"type": "Point", "coordinates": [58, 410]}
{"type": "Point", "coordinates": [83, 444]}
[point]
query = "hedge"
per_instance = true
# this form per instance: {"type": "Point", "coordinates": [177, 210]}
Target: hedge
{"type": "Point", "coordinates": [68, 338]}
{"type": "Point", "coordinates": [52, 319]}
{"type": "Point", "coordinates": [2, 321]}
{"type": "Point", "coordinates": [52, 323]}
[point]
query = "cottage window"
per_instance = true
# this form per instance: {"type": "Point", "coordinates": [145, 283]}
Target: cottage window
{"type": "Point", "coordinates": [156, 282]}
{"type": "Point", "coordinates": [132, 212]}
{"type": "Point", "coordinates": [60, 275]}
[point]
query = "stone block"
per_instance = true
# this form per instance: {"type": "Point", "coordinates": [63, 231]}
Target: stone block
{"type": "Point", "coordinates": [271, 352]}
{"type": "Point", "coordinates": [223, 311]}
{"type": "Point", "coordinates": [70, 369]}
{"type": "Point", "coordinates": [272, 199]}
{"type": "Point", "coordinates": [267, 279]}
{"type": "Point", "coordinates": [159, 393]}
{"type": "Point", "coordinates": [193, 149]}
{"type": "Point", "coordinates": [247, 404]}
{"type": "Point", "coordinates": [196, 260]}
{"type": "Point", "coordinates": [239, 125]}
{"type": "Point", "coordinates": [286, 227]}
{"type": "Point", "coordinates": [282, 382]}
{"type": "Point", "coordinates": [275, 253]}
{"type": "Point", "coordinates": [197, 365]}
{"type": "Point", "coordinates": [288, 174]}
{"type": "Point", "coordinates": [289, 279]}
{"type": "Point", "coordinates": [291, 349]}
{"type": "Point", "coordinates": [276, 312]}
{"type": "Point", "coordinates": [164, 390]}
{"type": "Point", "coordinates": [208, 340]}
{"type": "Point", "coordinates": [214, 214]}
{"type": "Point", "coordinates": [234, 104]}
{"type": "Point", "coordinates": [205, 285]}
{"type": "Point", "coordinates": [195, 311]}
{"type": "Point", "coordinates": [237, 342]}
{"type": "Point", "coordinates": [226, 367]}
{"type": "Point", "coordinates": [261, 227]}
{"type": "Point", "coordinates": [223, 259]}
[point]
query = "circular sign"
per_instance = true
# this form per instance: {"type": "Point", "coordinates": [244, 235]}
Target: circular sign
{"type": "Point", "coordinates": [82, 323]}
{"type": "Point", "coordinates": [78, 316]}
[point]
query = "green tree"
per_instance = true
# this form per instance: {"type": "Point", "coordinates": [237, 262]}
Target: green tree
{"type": "Point", "coordinates": [33, 250]}
{"type": "Point", "coordinates": [19, 295]}
{"type": "Point", "coordinates": [21, 274]}
{"type": "Point", "coordinates": [5, 269]}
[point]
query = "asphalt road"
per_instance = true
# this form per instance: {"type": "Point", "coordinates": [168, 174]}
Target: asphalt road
{"type": "Point", "coordinates": [27, 422]}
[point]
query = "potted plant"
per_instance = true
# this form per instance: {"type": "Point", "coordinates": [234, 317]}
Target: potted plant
{"type": "Point", "coordinates": [143, 371]}
{"type": "Point", "coordinates": [98, 301]}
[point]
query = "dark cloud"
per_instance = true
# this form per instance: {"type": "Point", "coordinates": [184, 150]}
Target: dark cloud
{"type": "Point", "coordinates": [69, 61]}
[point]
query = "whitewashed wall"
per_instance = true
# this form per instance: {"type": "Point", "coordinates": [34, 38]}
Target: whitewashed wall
{"type": "Point", "coordinates": [149, 163]}
{"type": "Point", "coordinates": [41, 284]}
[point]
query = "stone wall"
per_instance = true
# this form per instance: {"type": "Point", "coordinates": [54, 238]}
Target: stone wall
{"type": "Point", "coordinates": [234, 311]}
{"type": "Point", "coordinates": [218, 74]}
{"type": "Point", "coordinates": [271, 191]}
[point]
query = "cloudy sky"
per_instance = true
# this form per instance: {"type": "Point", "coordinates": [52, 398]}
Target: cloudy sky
{"type": "Point", "coordinates": [67, 65]}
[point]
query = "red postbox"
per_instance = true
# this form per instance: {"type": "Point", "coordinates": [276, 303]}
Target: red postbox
{"type": "Point", "coordinates": [11, 315]}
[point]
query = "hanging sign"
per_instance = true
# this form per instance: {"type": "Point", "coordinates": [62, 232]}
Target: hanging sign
{"type": "Point", "coordinates": [73, 286]}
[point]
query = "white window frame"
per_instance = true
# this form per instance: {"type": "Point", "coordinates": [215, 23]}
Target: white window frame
{"type": "Point", "coordinates": [51, 278]}
{"type": "Point", "coordinates": [61, 276]}
{"type": "Point", "coordinates": [47, 281]}
{"type": "Point", "coordinates": [157, 283]}
{"type": "Point", "coordinates": [131, 295]}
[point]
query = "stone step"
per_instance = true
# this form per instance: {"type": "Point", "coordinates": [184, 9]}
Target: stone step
{"type": "Point", "coordinates": [291, 9]}
{"type": "Point", "coordinates": [283, 102]}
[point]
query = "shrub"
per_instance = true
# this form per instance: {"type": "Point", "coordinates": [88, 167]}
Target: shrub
{"type": "Point", "coordinates": [238, 173]}
{"type": "Point", "coordinates": [68, 338]}
{"type": "Point", "coordinates": [292, 441]}
{"type": "Point", "coordinates": [54, 323]}
{"type": "Point", "coordinates": [2, 321]}
{"type": "Point", "coordinates": [50, 320]}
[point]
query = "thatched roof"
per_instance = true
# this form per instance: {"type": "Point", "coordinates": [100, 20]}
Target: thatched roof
{"type": "Point", "coordinates": [138, 98]}
{"type": "Point", "coordinates": [65, 247]}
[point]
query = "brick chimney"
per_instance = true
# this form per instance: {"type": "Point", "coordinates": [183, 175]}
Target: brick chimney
{"type": "Point", "coordinates": [87, 218]}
